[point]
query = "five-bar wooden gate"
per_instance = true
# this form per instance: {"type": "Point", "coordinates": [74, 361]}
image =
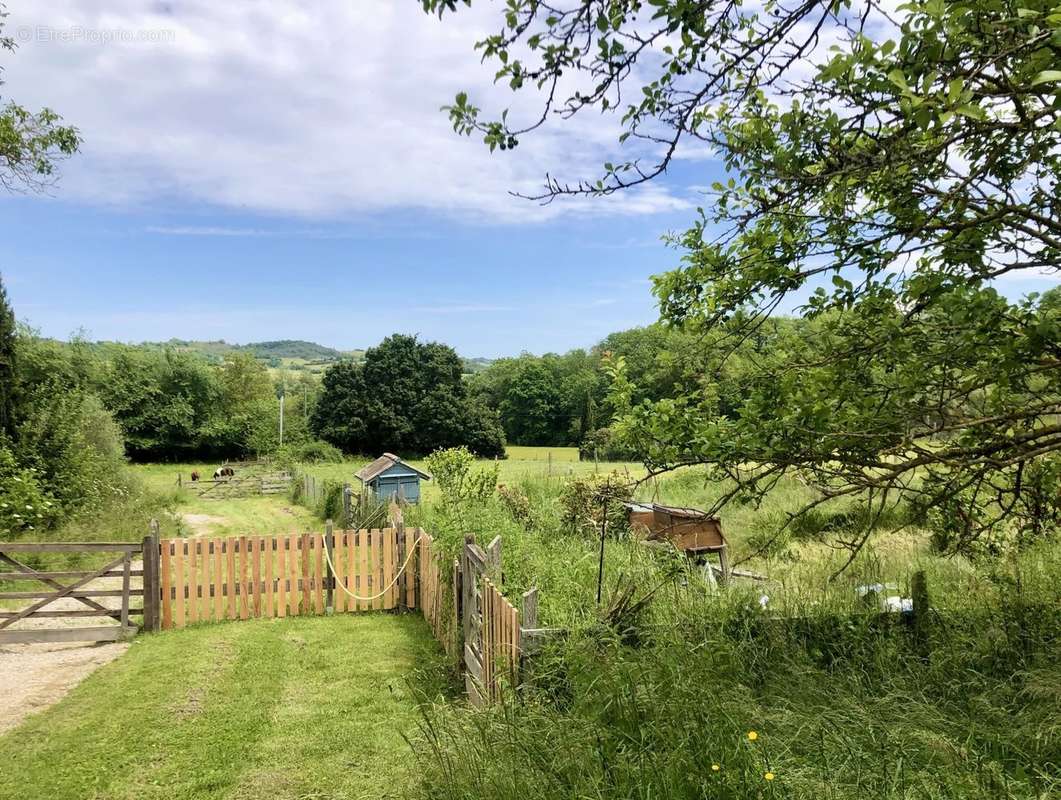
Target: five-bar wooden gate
{"type": "Point", "coordinates": [77, 591]}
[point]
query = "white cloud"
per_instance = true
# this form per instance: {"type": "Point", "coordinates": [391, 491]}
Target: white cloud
{"type": "Point", "coordinates": [321, 111]}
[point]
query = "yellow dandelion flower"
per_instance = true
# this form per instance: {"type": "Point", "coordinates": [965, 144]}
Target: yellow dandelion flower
{"type": "Point", "coordinates": [769, 776]}
{"type": "Point", "coordinates": [752, 736]}
{"type": "Point", "coordinates": [715, 767]}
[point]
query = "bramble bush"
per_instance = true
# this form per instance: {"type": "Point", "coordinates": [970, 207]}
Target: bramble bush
{"type": "Point", "coordinates": [24, 506]}
{"type": "Point", "coordinates": [311, 452]}
{"type": "Point", "coordinates": [585, 498]}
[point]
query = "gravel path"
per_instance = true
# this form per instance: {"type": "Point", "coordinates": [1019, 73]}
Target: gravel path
{"type": "Point", "coordinates": [35, 676]}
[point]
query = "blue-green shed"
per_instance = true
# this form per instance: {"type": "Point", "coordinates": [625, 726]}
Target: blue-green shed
{"type": "Point", "coordinates": [390, 478]}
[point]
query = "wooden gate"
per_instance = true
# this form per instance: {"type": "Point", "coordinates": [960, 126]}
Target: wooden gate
{"type": "Point", "coordinates": [490, 622]}
{"type": "Point", "coordinates": [84, 587]}
{"type": "Point", "coordinates": [239, 486]}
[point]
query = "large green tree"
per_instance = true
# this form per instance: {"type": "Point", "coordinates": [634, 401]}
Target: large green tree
{"type": "Point", "coordinates": [407, 397]}
{"type": "Point", "coordinates": [883, 169]}
{"type": "Point", "coordinates": [165, 404]}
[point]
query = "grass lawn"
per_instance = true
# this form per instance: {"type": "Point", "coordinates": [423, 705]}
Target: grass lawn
{"type": "Point", "coordinates": [518, 453]}
{"type": "Point", "coordinates": [293, 708]}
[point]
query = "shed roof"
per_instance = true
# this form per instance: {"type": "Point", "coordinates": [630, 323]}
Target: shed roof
{"type": "Point", "coordinates": [382, 464]}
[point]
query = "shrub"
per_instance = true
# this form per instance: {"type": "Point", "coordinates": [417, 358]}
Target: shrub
{"type": "Point", "coordinates": [458, 481]}
{"type": "Point", "coordinates": [311, 452]}
{"type": "Point", "coordinates": [584, 498]}
{"type": "Point", "coordinates": [24, 505]}
{"type": "Point", "coordinates": [605, 444]}
{"type": "Point", "coordinates": [330, 506]}
{"type": "Point", "coordinates": [75, 447]}
{"type": "Point", "coordinates": [516, 502]}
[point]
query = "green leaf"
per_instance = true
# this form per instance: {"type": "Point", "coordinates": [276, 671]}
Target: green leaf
{"type": "Point", "coordinates": [1047, 76]}
{"type": "Point", "coordinates": [954, 89]}
{"type": "Point", "coordinates": [971, 110]}
{"type": "Point", "coordinates": [897, 77]}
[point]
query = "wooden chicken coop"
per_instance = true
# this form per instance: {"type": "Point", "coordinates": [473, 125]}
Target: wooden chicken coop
{"type": "Point", "coordinates": [689, 530]}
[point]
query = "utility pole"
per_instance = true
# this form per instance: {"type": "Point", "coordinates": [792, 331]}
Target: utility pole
{"type": "Point", "coordinates": [280, 395]}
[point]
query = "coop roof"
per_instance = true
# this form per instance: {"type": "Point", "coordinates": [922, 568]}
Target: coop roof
{"type": "Point", "coordinates": [384, 463]}
{"type": "Point", "coordinates": [684, 513]}
{"type": "Point", "coordinates": [673, 511]}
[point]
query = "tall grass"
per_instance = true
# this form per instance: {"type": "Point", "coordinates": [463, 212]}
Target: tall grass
{"type": "Point", "coordinates": [844, 701]}
{"type": "Point", "coordinates": [843, 705]}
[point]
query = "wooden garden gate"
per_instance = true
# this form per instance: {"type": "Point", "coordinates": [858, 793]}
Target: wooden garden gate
{"type": "Point", "coordinates": [491, 624]}
{"type": "Point", "coordinates": [84, 587]}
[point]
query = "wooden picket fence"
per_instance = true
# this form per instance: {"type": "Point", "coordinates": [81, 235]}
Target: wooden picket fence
{"type": "Point", "coordinates": [213, 579]}
{"type": "Point", "coordinates": [437, 601]}
{"type": "Point", "coordinates": [210, 579]}
{"type": "Point", "coordinates": [500, 642]}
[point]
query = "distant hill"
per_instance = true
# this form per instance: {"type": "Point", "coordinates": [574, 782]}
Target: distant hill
{"type": "Point", "coordinates": [294, 354]}
{"type": "Point", "coordinates": [291, 348]}
{"type": "Point", "coordinates": [474, 365]}
{"type": "Point", "coordinates": [284, 348]}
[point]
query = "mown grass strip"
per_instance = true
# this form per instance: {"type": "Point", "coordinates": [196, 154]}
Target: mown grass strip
{"type": "Point", "coordinates": [283, 708]}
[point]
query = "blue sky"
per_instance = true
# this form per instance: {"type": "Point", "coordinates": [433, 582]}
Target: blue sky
{"type": "Point", "coordinates": [270, 170]}
{"type": "Point", "coordinates": [261, 171]}
{"type": "Point", "coordinates": [487, 289]}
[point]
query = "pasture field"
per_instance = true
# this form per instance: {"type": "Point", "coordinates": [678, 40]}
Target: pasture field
{"type": "Point", "coordinates": [295, 708]}
{"type": "Point", "coordinates": [222, 517]}
{"type": "Point", "coordinates": [520, 453]}
{"type": "Point", "coordinates": [523, 463]}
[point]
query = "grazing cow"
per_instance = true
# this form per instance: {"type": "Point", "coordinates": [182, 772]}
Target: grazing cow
{"type": "Point", "coordinates": [223, 472]}
{"type": "Point", "coordinates": [195, 477]}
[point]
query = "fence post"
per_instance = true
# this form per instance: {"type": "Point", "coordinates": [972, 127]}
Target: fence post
{"type": "Point", "coordinates": [530, 608]}
{"type": "Point", "coordinates": [723, 561]}
{"type": "Point", "coordinates": [416, 565]}
{"type": "Point", "coordinates": [150, 545]}
{"type": "Point", "coordinates": [493, 560]}
{"type": "Point", "coordinates": [403, 578]}
{"type": "Point", "coordinates": [529, 622]}
{"type": "Point", "coordinates": [922, 609]}
{"type": "Point", "coordinates": [347, 513]}
{"type": "Point", "coordinates": [458, 610]}
{"type": "Point", "coordinates": [329, 580]}
{"type": "Point", "coordinates": [467, 589]}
